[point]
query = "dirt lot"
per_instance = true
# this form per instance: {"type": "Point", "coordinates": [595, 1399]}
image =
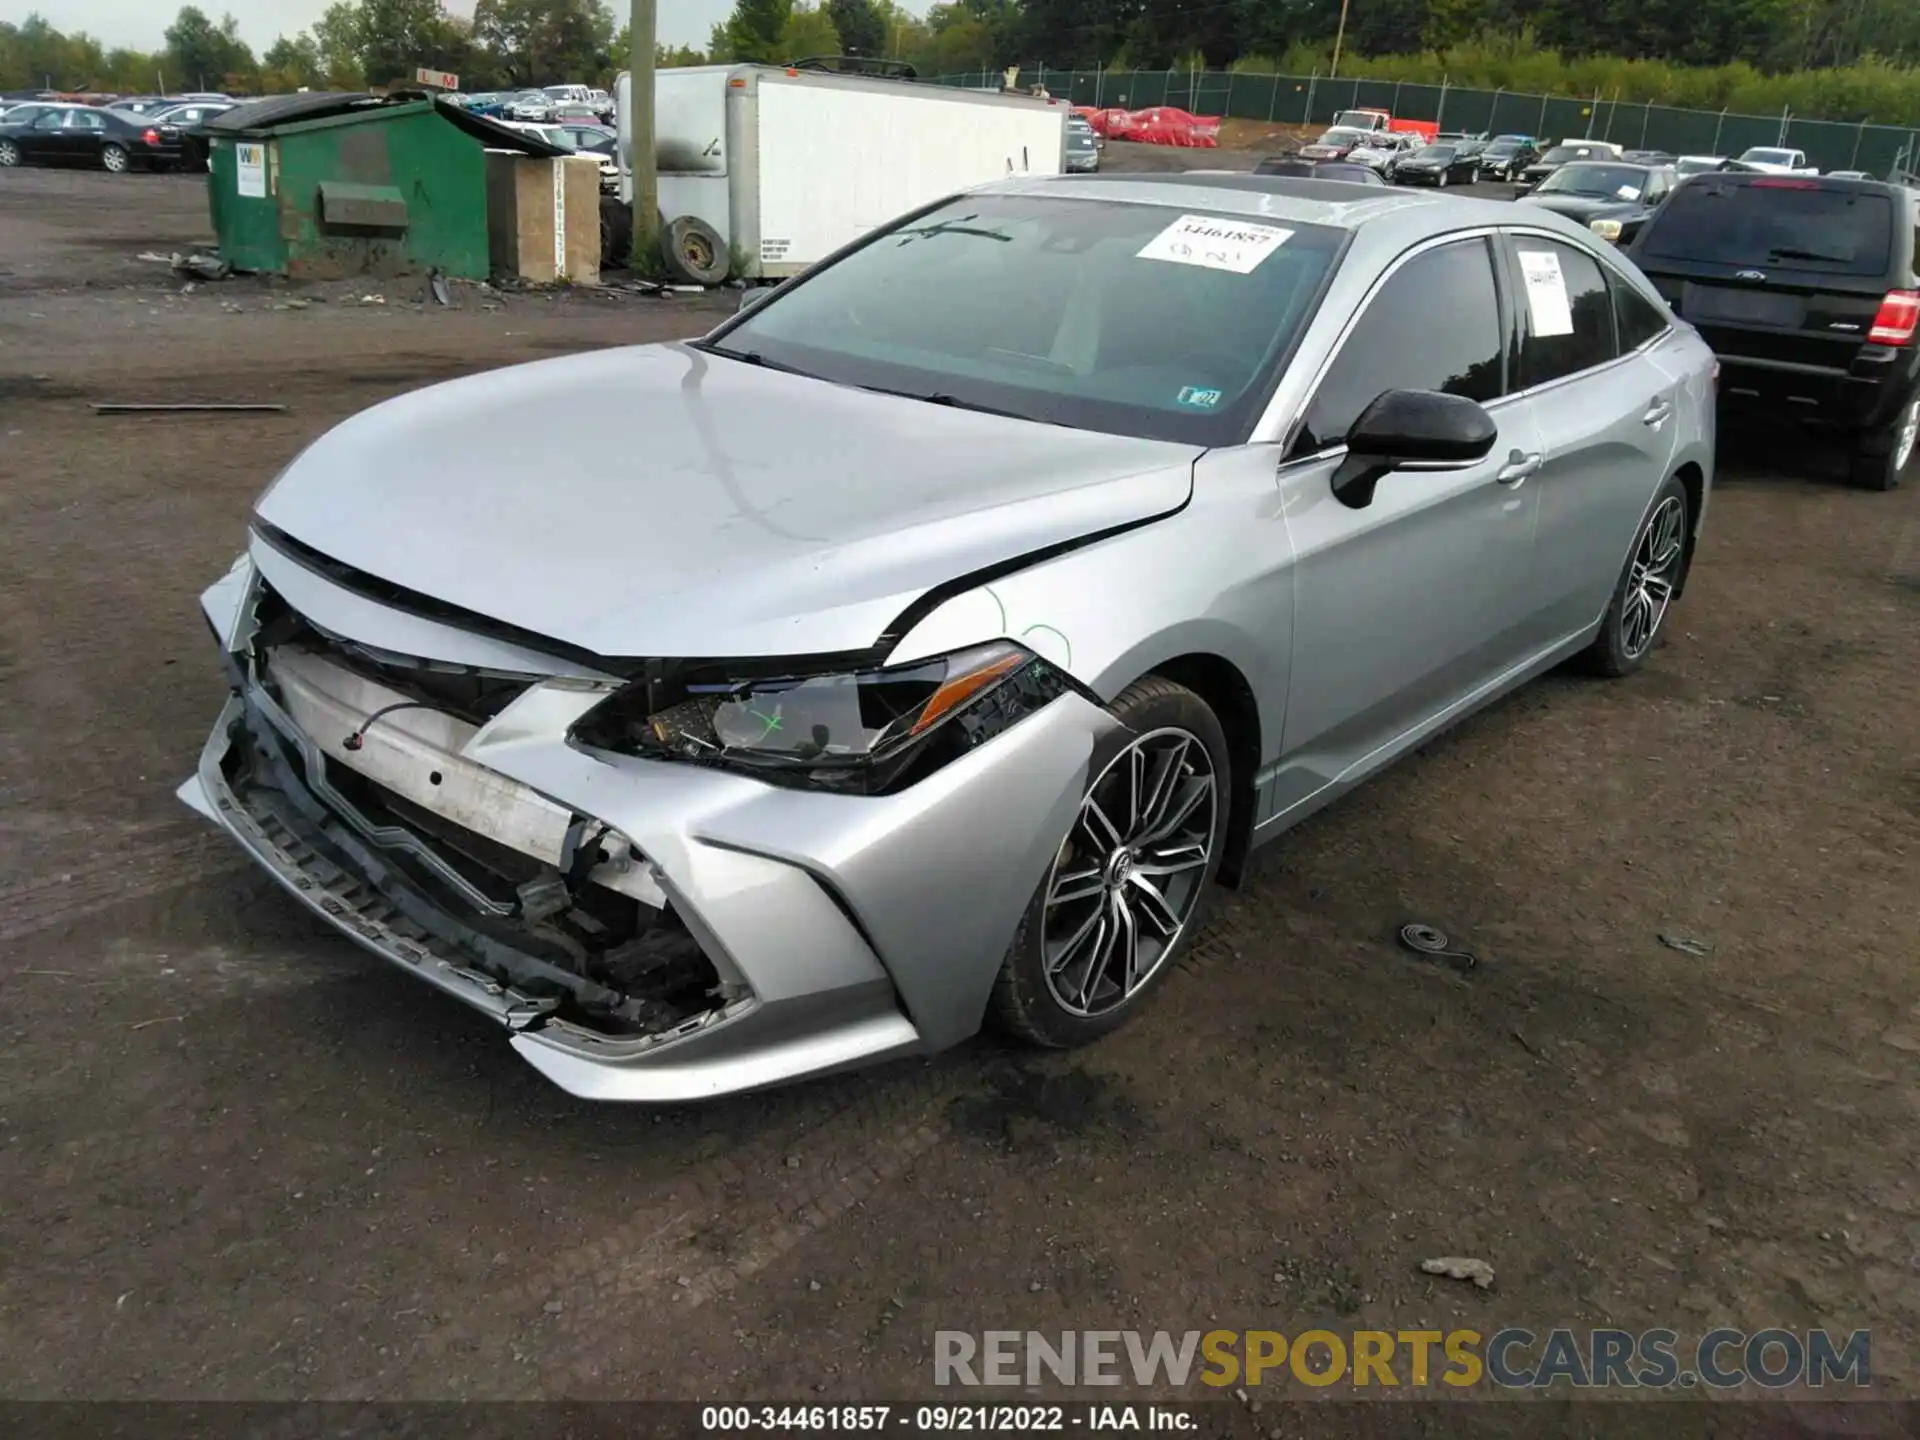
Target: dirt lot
{"type": "Point", "coordinates": [240, 1158]}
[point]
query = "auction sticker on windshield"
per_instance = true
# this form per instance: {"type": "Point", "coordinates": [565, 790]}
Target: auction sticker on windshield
{"type": "Point", "coordinates": [1206, 240]}
{"type": "Point", "coordinates": [1546, 293]}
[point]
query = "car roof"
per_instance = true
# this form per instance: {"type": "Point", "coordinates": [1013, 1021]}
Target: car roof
{"type": "Point", "coordinates": [1396, 218]}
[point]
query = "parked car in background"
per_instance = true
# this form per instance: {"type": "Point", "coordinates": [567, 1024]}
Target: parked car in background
{"type": "Point", "coordinates": [84, 135]}
{"type": "Point", "coordinates": [1612, 200]}
{"type": "Point", "coordinates": [1507, 155]}
{"type": "Point", "coordinates": [1776, 160]}
{"type": "Point", "coordinates": [1849, 175]}
{"type": "Point", "coordinates": [1304, 169]}
{"type": "Point", "coordinates": [188, 118]}
{"type": "Point", "coordinates": [1439, 165]}
{"type": "Point", "coordinates": [1161, 541]}
{"type": "Point", "coordinates": [1699, 165]}
{"type": "Point", "coordinates": [1336, 144]}
{"type": "Point", "coordinates": [1083, 147]}
{"type": "Point", "coordinates": [1806, 289]}
{"type": "Point", "coordinates": [533, 106]}
{"type": "Point", "coordinates": [1648, 157]}
{"type": "Point", "coordinates": [1564, 154]}
{"type": "Point", "coordinates": [575, 113]}
{"type": "Point", "coordinates": [1380, 151]}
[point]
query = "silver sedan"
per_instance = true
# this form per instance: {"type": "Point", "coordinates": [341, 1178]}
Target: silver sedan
{"type": "Point", "coordinates": [922, 645]}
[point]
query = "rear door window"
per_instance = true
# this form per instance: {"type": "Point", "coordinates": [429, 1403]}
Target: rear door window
{"type": "Point", "coordinates": [1566, 311]}
{"type": "Point", "coordinates": [1637, 318]}
{"type": "Point", "coordinates": [1791, 224]}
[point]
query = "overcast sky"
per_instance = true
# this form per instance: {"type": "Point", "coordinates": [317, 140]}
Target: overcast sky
{"type": "Point", "coordinates": [140, 23]}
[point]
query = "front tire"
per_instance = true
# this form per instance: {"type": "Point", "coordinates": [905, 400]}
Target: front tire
{"type": "Point", "coordinates": [1884, 455]}
{"type": "Point", "coordinates": [1441, 183]}
{"type": "Point", "coordinates": [1651, 578]}
{"type": "Point", "coordinates": [1128, 886]}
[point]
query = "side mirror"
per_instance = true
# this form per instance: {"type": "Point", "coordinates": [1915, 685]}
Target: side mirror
{"type": "Point", "coordinates": [752, 296]}
{"type": "Point", "coordinates": [1402, 428]}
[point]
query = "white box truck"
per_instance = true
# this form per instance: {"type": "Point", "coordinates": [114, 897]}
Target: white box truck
{"type": "Point", "coordinates": [780, 167]}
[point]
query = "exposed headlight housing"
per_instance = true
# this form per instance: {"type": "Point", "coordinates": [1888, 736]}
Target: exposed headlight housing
{"type": "Point", "coordinates": [1605, 229]}
{"type": "Point", "coordinates": [866, 732]}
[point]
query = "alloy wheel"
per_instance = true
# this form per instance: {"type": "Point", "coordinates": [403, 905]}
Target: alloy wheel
{"type": "Point", "coordinates": [1652, 576]}
{"type": "Point", "coordinates": [1130, 873]}
{"type": "Point", "coordinates": [1905, 436]}
{"type": "Point", "coordinates": [9, 154]}
{"type": "Point", "coordinates": [114, 158]}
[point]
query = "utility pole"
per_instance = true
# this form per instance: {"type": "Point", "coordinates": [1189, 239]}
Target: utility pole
{"type": "Point", "coordinates": [641, 154]}
{"type": "Point", "coordinates": [1339, 38]}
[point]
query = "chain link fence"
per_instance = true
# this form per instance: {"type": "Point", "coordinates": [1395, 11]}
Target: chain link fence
{"type": "Point", "coordinates": [1885, 150]}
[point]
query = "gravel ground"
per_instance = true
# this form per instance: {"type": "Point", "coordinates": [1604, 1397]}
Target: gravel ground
{"type": "Point", "coordinates": [243, 1159]}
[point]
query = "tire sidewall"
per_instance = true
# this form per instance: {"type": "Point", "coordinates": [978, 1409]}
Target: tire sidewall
{"type": "Point", "coordinates": [106, 159]}
{"type": "Point", "coordinates": [1142, 709]}
{"type": "Point", "coordinates": [1609, 652]}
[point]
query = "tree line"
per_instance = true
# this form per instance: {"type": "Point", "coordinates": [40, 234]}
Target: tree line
{"type": "Point", "coordinates": [1836, 59]}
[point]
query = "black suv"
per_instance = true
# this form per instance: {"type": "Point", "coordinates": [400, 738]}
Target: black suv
{"type": "Point", "coordinates": [1805, 288]}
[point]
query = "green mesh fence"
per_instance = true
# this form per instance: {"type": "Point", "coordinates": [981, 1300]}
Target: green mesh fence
{"type": "Point", "coordinates": [1315, 100]}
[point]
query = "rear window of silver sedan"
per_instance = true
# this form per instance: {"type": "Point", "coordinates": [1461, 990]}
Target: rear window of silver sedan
{"type": "Point", "coordinates": [1148, 320]}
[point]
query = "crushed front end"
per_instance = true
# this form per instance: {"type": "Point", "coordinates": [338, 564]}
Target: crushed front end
{"type": "Point", "coordinates": [646, 931]}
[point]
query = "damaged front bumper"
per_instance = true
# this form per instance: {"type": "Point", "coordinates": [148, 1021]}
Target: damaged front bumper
{"type": "Point", "coordinates": [782, 933]}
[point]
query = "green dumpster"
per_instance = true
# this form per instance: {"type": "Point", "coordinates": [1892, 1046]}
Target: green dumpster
{"type": "Point", "coordinates": [328, 186]}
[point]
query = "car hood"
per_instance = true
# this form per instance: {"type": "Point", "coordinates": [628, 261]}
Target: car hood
{"type": "Point", "coordinates": [659, 501]}
{"type": "Point", "coordinates": [1582, 207]}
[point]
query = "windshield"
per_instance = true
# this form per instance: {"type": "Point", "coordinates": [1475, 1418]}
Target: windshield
{"type": "Point", "coordinates": [1434, 152]}
{"type": "Point", "coordinates": [1599, 182]}
{"type": "Point", "coordinates": [1764, 156]}
{"type": "Point", "coordinates": [1697, 167]}
{"type": "Point", "coordinates": [1344, 137]}
{"type": "Point", "coordinates": [1131, 319]}
{"type": "Point", "coordinates": [1793, 224]}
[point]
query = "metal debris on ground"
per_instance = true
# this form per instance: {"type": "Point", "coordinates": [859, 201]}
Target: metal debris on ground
{"type": "Point", "coordinates": [441, 293]}
{"type": "Point", "coordinates": [1686, 944]}
{"type": "Point", "coordinates": [1434, 945]}
{"type": "Point", "coordinates": [184, 407]}
{"type": "Point", "coordinates": [200, 266]}
{"type": "Point", "coordinates": [1457, 1267]}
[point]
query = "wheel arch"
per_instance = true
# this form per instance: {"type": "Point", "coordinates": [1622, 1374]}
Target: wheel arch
{"type": "Point", "coordinates": [1228, 693]}
{"type": "Point", "coordinates": [1694, 481]}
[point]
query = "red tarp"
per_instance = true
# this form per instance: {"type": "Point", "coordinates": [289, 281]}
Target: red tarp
{"type": "Point", "coordinates": [1162, 125]}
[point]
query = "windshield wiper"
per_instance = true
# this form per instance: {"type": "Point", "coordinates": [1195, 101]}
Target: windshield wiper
{"type": "Point", "coordinates": [954, 402]}
{"type": "Point", "coordinates": [1789, 252]}
{"type": "Point", "coordinates": [749, 357]}
{"type": "Point", "coordinates": [949, 227]}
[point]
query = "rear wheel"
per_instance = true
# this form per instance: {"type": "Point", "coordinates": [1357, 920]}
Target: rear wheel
{"type": "Point", "coordinates": [9, 154]}
{"type": "Point", "coordinates": [1125, 893]}
{"type": "Point", "coordinates": [1885, 454]}
{"type": "Point", "coordinates": [116, 159]}
{"type": "Point", "coordinates": [1655, 567]}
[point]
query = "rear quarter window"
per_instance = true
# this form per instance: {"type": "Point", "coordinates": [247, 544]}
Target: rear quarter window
{"type": "Point", "coordinates": [1720, 221]}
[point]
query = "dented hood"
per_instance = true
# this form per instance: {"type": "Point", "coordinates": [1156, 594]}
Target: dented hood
{"type": "Point", "coordinates": [660, 501]}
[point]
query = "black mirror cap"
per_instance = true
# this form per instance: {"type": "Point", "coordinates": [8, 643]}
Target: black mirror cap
{"type": "Point", "coordinates": [1409, 426]}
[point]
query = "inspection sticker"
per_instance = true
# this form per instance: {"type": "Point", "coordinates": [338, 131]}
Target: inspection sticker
{"type": "Point", "coordinates": [1216, 244]}
{"type": "Point", "coordinates": [1198, 397]}
{"type": "Point", "coordinates": [251, 176]}
{"type": "Point", "coordinates": [1546, 293]}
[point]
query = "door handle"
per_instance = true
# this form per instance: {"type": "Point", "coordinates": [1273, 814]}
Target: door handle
{"type": "Point", "coordinates": [1518, 467]}
{"type": "Point", "coordinates": [1657, 412]}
